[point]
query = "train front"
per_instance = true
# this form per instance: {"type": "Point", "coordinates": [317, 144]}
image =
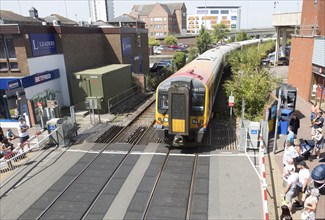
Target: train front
{"type": "Point", "coordinates": [181, 110]}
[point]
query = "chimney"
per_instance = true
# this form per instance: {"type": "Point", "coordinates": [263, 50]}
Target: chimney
{"type": "Point", "coordinates": [33, 13]}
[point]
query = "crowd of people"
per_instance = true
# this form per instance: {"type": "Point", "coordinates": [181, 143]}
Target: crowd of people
{"type": "Point", "coordinates": [6, 147]}
{"type": "Point", "coordinates": [298, 194]}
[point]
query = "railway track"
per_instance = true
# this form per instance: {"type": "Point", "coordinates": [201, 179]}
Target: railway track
{"type": "Point", "coordinates": [188, 184]}
{"type": "Point", "coordinates": [134, 134]}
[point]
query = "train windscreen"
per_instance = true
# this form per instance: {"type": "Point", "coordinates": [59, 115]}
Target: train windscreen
{"type": "Point", "coordinates": [197, 103]}
{"type": "Point", "coordinates": [163, 103]}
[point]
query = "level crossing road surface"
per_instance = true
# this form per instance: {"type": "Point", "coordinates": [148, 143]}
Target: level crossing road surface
{"type": "Point", "coordinates": [225, 185]}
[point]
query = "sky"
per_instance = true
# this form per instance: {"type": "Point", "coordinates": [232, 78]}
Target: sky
{"type": "Point", "coordinates": [255, 14]}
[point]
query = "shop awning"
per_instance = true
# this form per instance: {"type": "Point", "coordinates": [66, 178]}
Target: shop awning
{"type": "Point", "coordinates": [4, 82]}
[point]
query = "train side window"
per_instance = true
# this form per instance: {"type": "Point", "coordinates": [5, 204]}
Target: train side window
{"type": "Point", "coordinates": [163, 101]}
{"type": "Point", "coordinates": [198, 103]}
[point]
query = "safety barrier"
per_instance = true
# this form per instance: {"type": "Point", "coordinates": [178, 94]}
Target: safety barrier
{"type": "Point", "coordinates": [260, 172]}
{"type": "Point", "coordinates": [18, 157]}
{"type": "Point", "coordinates": [263, 177]}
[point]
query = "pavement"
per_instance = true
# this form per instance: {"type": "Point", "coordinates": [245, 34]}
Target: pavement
{"type": "Point", "coordinates": [274, 164]}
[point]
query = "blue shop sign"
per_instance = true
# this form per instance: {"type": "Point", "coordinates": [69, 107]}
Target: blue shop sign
{"type": "Point", "coordinates": [39, 78]}
{"type": "Point", "coordinates": [42, 44]}
{"type": "Point", "coordinates": [14, 84]}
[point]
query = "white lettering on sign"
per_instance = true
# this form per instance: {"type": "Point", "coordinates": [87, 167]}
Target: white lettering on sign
{"type": "Point", "coordinates": [13, 85]}
{"type": "Point", "coordinates": [42, 78]}
{"type": "Point", "coordinates": [36, 44]}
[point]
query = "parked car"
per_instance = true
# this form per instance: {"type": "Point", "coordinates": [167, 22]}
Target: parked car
{"type": "Point", "coordinates": [271, 59]}
{"type": "Point", "coordinates": [281, 61]}
{"type": "Point", "coordinates": [157, 67]}
{"type": "Point", "coordinates": [166, 63]}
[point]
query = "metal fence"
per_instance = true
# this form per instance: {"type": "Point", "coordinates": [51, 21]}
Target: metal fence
{"type": "Point", "coordinates": [26, 152]}
{"type": "Point", "coordinates": [115, 103]}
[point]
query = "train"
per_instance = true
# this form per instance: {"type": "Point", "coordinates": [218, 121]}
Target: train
{"type": "Point", "coordinates": [184, 101]}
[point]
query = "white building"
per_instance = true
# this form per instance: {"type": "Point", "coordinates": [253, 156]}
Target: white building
{"type": "Point", "coordinates": [212, 15]}
{"type": "Point", "coordinates": [101, 10]}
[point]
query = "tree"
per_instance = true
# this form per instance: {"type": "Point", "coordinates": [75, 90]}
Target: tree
{"type": "Point", "coordinates": [203, 40]}
{"type": "Point", "coordinates": [219, 32]}
{"type": "Point", "coordinates": [242, 36]}
{"type": "Point", "coordinates": [179, 59]}
{"type": "Point", "coordinates": [192, 53]}
{"type": "Point", "coordinates": [170, 40]}
{"type": "Point", "coordinates": [153, 42]}
{"type": "Point", "coordinates": [250, 82]}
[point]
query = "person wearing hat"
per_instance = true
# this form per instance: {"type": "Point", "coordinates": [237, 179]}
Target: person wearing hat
{"type": "Point", "coordinates": [319, 141]}
{"type": "Point", "coordinates": [304, 176]}
{"type": "Point", "coordinates": [22, 131]}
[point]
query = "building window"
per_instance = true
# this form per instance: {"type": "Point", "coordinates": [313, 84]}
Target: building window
{"type": "Point", "coordinates": [315, 1]}
{"type": "Point", "coordinates": [8, 58]}
{"type": "Point", "coordinates": [214, 12]}
{"type": "Point", "coordinates": [202, 12]}
{"type": "Point", "coordinates": [157, 19]}
{"type": "Point", "coordinates": [165, 18]}
{"type": "Point", "coordinates": [224, 12]}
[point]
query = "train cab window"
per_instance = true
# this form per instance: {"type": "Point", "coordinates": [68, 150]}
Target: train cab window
{"type": "Point", "coordinates": [197, 103]}
{"type": "Point", "coordinates": [162, 102]}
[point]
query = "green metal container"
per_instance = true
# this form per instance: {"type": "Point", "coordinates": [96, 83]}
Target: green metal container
{"type": "Point", "coordinates": [101, 84]}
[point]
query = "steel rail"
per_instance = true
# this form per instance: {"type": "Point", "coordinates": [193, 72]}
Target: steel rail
{"type": "Point", "coordinates": [152, 193]}
{"type": "Point", "coordinates": [85, 168]}
{"type": "Point", "coordinates": [98, 196]}
{"type": "Point", "coordinates": [189, 202]}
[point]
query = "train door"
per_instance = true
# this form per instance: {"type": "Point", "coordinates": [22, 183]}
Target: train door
{"type": "Point", "coordinates": [178, 110]}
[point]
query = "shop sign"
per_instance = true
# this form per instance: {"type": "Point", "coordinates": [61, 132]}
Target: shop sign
{"type": "Point", "coordinates": [42, 44]}
{"type": "Point", "coordinates": [39, 78]}
{"type": "Point", "coordinates": [14, 84]}
{"type": "Point", "coordinates": [317, 69]}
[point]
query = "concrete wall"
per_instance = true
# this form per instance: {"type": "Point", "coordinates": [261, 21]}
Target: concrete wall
{"type": "Point", "coordinates": [286, 19]}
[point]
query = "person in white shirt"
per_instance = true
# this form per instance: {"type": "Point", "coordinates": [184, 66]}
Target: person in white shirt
{"type": "Point", "coordinates": [289, 151]}
{"type": "Point", "coordinates": [304, 175]}
{"type": "Point", "coordinates": [22, 130]}
{"type": "Point", "coordinates": [291, 188]}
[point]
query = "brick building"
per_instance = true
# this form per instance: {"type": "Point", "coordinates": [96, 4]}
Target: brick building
{"type": "Point", "coordinates": [307, 57]}
{"type": "Point", "coordinates": [38, 60]}
{"type": "Point", "coordinates": [162, 19]}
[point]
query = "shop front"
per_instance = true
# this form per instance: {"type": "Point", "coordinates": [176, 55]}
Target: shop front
{"type": "Point", "coordinates": [317, 87]}
{"type": "Point", "coordinates": [29, 95]}
{"type": "Point", "coordinates": [12, 98]}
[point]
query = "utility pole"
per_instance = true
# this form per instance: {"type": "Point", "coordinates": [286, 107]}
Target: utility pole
{"type": "Point", "coordinates": [277, 121]}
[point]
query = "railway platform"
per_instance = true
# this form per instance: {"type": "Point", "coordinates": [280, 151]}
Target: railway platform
{"type": "Point", "coordinates": [274, 165]}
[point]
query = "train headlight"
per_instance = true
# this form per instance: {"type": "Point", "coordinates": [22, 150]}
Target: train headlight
{"type": "Point", "coordinates": [194, 121]}
{"type": "Point", "coordinates": [201, 121]}
{"type": "Point", "coordinates": [159, 119]}
{"type": "Point", "coordinates": [165, 119]}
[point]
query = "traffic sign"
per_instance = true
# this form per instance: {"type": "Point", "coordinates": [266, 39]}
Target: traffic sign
{"type": "Point", "coordinates": [231, 101]}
